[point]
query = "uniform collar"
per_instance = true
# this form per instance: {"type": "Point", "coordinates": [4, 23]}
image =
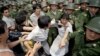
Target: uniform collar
{"type": "Point", "coordinates": [93, 41]}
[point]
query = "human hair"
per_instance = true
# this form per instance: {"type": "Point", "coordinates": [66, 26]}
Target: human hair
{"type": "Point", "coordinates": [2, 27]}
{"type": "Point", "coordinates": [35, 6]}
{"type": "Point", "coordinates": [3, 9]}
{"type": "Point", "coordinates": [64, 16]}
{"type": "Point", "coordinates": [21, 17]}
{"type": "Point", "coordinates": [44, 21]}
{"type": "Point", "coordinates": [23, 12]}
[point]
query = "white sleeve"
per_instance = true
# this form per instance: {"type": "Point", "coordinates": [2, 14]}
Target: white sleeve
{"type": "Point", "coordinates": [69, 28]}
{"type": "Point", "coordinates": [31, 17]}
{"type": "Point", "coordinates": [40, 38]}
{"type": "Point", "coordinates": [32, 34]}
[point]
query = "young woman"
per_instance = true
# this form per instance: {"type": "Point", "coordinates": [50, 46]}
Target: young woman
{"type": "Point", "coordinates": [61, 43]}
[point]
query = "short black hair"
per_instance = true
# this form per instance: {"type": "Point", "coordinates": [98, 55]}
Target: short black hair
{"type": "Point", "coordinates": [44, 21]}
{"type": "Point", "coordinates": [2, 27]}
{"type": "Point", "coordinates": [64, 16]}
{"type": "Point", "coordinates": [35, 6]}
{"type": "Point", "coordinates": [21, 17]}
{"type": "Point", "coordinates": [23, 12]}
{"type": "Point", "coordinates": [3, 9]}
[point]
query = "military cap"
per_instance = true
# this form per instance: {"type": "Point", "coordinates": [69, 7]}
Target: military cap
{"type": "Point", "coordinates": [28, 7]}
{"type": "Point", "coordinates": [43, 3]}
{"type": "Point", "coordinates": [84, 1]}
{"type": "Point", "coordinates": [94, 3]}
{"type": "Point", "coordinates": [77, 1]}
{"type": "Point", "coordinates": [70, 6]}
{"type": "Point", "coordinates": [94, 24]}
{"type": "Point", "coordinates": [53, 2]}
{"type": "Point", "coordinates": [65, 3]}
{"type": "Point", "coordinates": [60, 1]}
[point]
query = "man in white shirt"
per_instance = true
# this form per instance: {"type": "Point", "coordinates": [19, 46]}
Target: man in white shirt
{"type": "Point", "coordinates": [40, 33]}
{"type": "Point", "coordinates": [37, 13]}
{"type": "Point", "coordinates": [9, 21]}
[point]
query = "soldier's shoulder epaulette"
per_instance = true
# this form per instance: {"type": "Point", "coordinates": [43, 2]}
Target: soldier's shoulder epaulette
{"type": "Point", "coordinates": [84, 14]}
{"type": "Point", "coordinates": [77, 9]}
{"type": "Point", "coordinates": [49, 12]}
{"type": "Point", "coordinates": [60, 10]}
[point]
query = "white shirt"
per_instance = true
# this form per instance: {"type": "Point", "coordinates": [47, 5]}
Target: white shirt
{"type": "Point", "coordinates": [68, 29]}
{"type": "Point", "coordinates": [34, 18]}
{"type": "Point", "coordinates": [38, 34]}
{"type": "Point", "coordinates": [9, 21]}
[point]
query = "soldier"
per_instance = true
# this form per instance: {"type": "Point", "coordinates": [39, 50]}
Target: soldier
{"type": "Point", "coordinates": [54, 14]}
{"type": "Point", "coordinates": [60, 5]}
{"type": "Point", "coordinates": [69, 9]}
{"type": "Point", "coordinates": [90, 44]}
{"type": "Point", "coordinates": [80, 16]}
{"type": "Point", "coordinates": [84, 4]}
{"type": "Point", "coordinates": [65, 4]}
{"type": "Point", "coordinates": [29, 6]}
{"type": "Point", "coordinates": [94, 8]}
{"type": "Point", "coordinates": [77, 4]}
{"type": "Point", "coordinates": [81, 6]}
{"type": "Point", "coordinates": [44, 6]}
{"type": "Point", "coordinates": [13, 10]}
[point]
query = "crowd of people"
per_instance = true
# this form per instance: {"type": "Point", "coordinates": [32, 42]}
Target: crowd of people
{"type": "Point", "coordinates": [50, 28]}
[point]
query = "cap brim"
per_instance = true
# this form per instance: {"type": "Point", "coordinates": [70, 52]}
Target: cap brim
{"type": "Point", "coordinates": [93, 6]}
{"type": "Point", "coordinates": [84, 2]}
{"type": "Point", "coordinates": [91, 28]}
{"type": "Point", "coordinates": [53, 4]}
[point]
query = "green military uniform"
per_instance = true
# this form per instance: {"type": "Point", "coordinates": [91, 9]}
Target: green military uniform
{"type": "Point", "coordinates": [53, 32]}
{"type": "Point", "coordinates": [54, 16]}
{"type": "Point", "coordinates": [80, 18]}
{"type": "Point", "coordinates": [13, 13]}
{"type": "Point", "coordinates": [82, 47]}
{"type": "Point", "coordinates": [61, 2]}
{"type": "Point", "coordinates": [94, 3]}
{"type": "Point", "coordinates": [86, 9]}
